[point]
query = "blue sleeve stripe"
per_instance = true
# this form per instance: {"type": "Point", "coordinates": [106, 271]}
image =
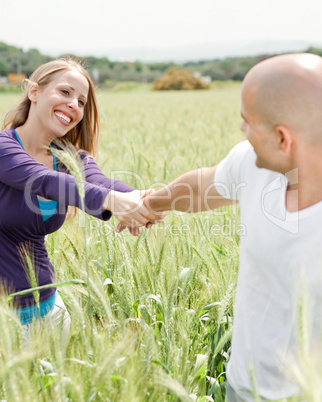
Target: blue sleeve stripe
{"type": "Point", "coordinates": [27, 314]}
{"type": "Point", "coordinates": [47, 208]}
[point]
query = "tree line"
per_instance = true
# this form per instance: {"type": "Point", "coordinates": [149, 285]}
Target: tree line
{"type": "Point", "coordinates": [103, 70]}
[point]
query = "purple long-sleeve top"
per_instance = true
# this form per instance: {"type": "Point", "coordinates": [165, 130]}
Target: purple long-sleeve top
{"type": "Point", "coordinates": [22, 179]}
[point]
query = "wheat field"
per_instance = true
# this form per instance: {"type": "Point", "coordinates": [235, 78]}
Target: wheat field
{"type": "Point", "coordinates": [153, 318]}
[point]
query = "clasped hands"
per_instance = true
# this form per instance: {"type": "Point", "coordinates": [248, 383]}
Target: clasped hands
{"type": "Point", "coordinates": [131, 211]}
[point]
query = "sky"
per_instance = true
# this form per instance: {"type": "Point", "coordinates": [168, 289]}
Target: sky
{"type": "Point", "coordinates": [142, 28]}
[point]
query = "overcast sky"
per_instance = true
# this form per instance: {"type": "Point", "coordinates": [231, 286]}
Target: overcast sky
{"type": "Point", "coordinates": [101, 26]}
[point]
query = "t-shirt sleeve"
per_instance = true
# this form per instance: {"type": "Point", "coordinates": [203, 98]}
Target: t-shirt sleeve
{"type": "Point", "coordinates": [18, 170]}
{"type": "Point", "coordinates": [229, 172]}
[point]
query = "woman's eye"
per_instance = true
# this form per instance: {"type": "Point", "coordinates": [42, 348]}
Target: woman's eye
{"type": "Point", "coordinates": [81, 102]}
{"type": "Point", "coordinates": [65, 92]}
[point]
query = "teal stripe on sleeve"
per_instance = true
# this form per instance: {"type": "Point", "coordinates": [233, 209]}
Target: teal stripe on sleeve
{"type": "Point", "coordinates": [48, 207]}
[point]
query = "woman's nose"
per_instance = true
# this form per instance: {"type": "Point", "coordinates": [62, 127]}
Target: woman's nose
{"type": "Point", "coordinates": [73, 104]}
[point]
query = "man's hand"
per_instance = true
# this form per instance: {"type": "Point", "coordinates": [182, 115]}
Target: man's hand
{"type": "Point", "coordinates": [129, 209]}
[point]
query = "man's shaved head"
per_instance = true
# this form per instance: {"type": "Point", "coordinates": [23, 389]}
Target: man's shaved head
{"type": "Point", "coordinates": [287, 90]}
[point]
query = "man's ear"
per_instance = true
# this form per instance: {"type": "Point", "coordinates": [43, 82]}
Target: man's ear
{"type": "Point", "coordinates": [284, 138]}
{"type": "Point", "coordinates": [33, 92]}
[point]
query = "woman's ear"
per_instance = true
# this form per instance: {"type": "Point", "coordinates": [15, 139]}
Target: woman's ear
{"type": "Point", "coordinates": [33, 92]}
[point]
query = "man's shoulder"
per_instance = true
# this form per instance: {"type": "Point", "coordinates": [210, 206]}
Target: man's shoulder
{"type": "Point", "coordinates": [241, 156]}
{"type": "Point", "coordinates": [239, 166]}
{"type": "Point", "coordinates": [242, 149]}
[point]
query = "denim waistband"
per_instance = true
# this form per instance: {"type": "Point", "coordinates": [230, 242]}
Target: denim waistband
{"type": "Point", "coordinates": [26, 314]}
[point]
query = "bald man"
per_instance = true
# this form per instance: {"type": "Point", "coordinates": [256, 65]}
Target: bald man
{"type": "Point", "coordinates": [276, 176]}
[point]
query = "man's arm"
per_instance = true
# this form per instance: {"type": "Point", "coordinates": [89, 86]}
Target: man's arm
{"type": "Point", "coordinates": [194, 191]}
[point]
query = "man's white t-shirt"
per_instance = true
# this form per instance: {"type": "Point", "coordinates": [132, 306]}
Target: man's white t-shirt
{"type": "Point", "coordinates": [280, 268]}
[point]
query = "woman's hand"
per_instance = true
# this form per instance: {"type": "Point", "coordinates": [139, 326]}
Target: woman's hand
{"type": "Point", "coordinates": [129, 209]}
{"type": "Point", "coordinates": [147, 218]}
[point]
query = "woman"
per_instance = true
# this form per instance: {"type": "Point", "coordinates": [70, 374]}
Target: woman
{"type": "Point", "coordinates": [59, 104]}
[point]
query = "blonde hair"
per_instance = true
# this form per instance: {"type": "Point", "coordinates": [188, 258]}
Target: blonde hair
{"type": "Point", "coordinates": [85, 135]}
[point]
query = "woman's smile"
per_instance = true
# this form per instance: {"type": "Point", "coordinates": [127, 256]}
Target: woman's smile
{"type": "Point", "coordinates": [64, 118]}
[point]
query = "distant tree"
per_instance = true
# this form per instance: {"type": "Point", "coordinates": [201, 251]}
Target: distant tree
{"type": "Point", "coordinates": [104, 75]}
{"type": "Point", "coordinates": [7, 48]}
{"type": "Point", "coordinates": [137, 66]}
{"type": "Point", "coordinates": [4, 68]}
{"type": "Point", "coordinates": [238, 74]}
{"type": "Point", "coordinates": [32, 59]}
{"type": "Point", "coordinates": [216, 74]}
{"type": "Point", "coordinates": [314, 50]}
{"type": "Point", "coordinates": [103, 63]}
{"type": "Point", "coordinates": [176, 79]}
{"type": "Point", "coordinates": [162, 67]}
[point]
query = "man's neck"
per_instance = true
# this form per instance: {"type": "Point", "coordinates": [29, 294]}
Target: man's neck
{"type": "Point", "coordinates": [305, 183]}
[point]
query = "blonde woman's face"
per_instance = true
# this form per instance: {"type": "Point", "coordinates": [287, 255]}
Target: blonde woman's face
{"type": "Point", "coordinates": [59, 105]}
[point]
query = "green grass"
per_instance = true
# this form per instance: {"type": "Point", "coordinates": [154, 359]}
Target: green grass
{"type": "Point", "coordinates": [154, 321]}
